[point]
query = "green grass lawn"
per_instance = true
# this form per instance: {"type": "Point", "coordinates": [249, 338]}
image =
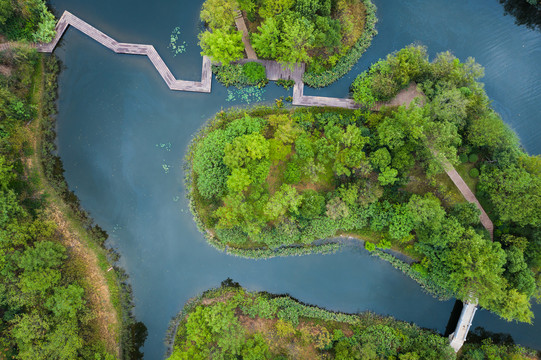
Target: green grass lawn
{"type": "Point", "coordinates": [464, 171]}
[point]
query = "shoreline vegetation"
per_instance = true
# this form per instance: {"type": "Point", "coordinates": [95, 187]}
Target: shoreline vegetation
{"type": "Point", "coordinates": [329, 36]}
{"type": "Point", "coordinates": [266, 182]}
{"type": "Point", "coordinates": [230, 322]}
{"type": "Point", "coordinates": [60, 295]}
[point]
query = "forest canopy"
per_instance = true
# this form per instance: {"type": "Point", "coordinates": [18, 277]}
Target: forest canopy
{"type": "Point", "coordinates": [230, 322]}
{"type": "Point", "coordinates": [316, 32]}
{"type": "Point", "coordinates": [269, 179]}
{"type": "Point", "coordinates": [28, 20]}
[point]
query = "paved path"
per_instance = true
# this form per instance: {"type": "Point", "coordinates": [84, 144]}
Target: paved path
{"type": "Point", "coordinates": [469, 196]}
{"type": "Point", "coordinates": [68, 19]}
{"type": "Point", "coordinates": [241, 26]}
{"type": "Point", "coordinates": [458, 337]}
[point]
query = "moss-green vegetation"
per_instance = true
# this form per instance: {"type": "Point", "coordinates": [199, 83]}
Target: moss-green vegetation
{"type": "Point", "coordinates": [26, 20]}
{"type": "Point", "coordinates": [230, 322]}
{"type": "Point", "coordinates": [329, 36]}
{"type": "Point", "coordinates": [249, 74]}
{"type": "Point", "coordinates": [48, 292]}
{"type": "Point", "coordinates": [267, 180]}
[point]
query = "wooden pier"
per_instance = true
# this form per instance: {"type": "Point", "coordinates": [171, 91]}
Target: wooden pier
{"type": "Point", "coordinates": [68, 19]}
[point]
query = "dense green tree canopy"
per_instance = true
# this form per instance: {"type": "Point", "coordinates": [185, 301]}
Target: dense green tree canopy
{"type": "Point", "coordinates": [289, 31]}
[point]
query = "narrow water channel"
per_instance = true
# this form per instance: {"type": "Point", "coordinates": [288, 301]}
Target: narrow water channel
{"type": "Point", "coordinates": [122, 136]}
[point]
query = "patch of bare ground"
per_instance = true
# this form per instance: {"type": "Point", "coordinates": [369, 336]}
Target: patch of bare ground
{"type": "Point", "coordinates": [215, 300]}
{"type": "Point", "coordinates": [404, 97]}
{"type": "Point", "coordinates": [97, 291]}
{"type": "Point", "coordinates": [5, 70]}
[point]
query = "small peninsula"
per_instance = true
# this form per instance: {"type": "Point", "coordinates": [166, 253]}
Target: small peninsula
{"type": "Point", "coordinates": [272, 182]}
{"type": "Point", "coordinates": [328, 36]}
{"type": "Point", "coordinates": [230, 322]}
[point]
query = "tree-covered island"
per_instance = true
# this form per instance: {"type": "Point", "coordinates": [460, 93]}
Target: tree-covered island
{"type": "Point", "coordinates": [273, 181]}
{"type": "Point", "coordinates": [232, 323]}
{"type": "Point", "coordinates": [329, 36]}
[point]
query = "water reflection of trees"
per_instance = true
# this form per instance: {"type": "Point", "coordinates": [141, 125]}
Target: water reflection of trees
{"type": "Point", "coordinates": [524, 13]}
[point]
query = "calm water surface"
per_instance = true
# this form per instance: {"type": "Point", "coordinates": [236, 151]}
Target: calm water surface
{"type": "Point", "coordinates": [122, 136]}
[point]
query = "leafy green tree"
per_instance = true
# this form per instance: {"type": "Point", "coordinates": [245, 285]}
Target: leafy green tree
{"type": "Point", "coordinates": [221, 46]}
{"type": "Point", "coordinates": [388, 176]}
{"type": "Point", "coordinates": [267, 41]}
{"type": "Point", "coordinates": [255, 348]}
{"type": "Point", "coordinates": [337, 209]}
{"type": "Point", "coordinates": [284, 200]}
{"type": "Point", "coordinates": [313, 204]}
{"type": "Point", "coordinates": [489, 130]}
{"type": "Point", "coordinates": [515, 194]}
{"type": "Point", "coordinates": [219, 14]}
{"type": "Point", "coordinates": [450, 106]}
{"type": "Point", "coordinates": [466, 213]}
{"type": "Point", "coordinates": [362, 91]}
{"type": "Point", "coordinates": [270, 8]}
{"type": "Point", "coordinates": [328, 32]}
{"type": "Point", "coordinates": [46, 26]}
{"type": "Point", "coordinates": [297, 39]}
{"type": "Point", "coordinates": [380, 158]}
{"type": "Point", "coordinates": [401, 223]}
{"type": "Point", "coordinates": [245, 148]}
{"type": "Point", "coordinates": [239, 180]}
{"type": "Point", "coordinates": [6, 10]}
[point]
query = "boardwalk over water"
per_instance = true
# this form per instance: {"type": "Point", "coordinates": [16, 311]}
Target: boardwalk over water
{"type": "Point", "coordinates": [68, 19]}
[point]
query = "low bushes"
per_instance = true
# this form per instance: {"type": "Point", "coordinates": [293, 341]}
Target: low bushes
{"type": "Point", "coordinates": [219, 324]}
{"type": "Point", "coordinates": [345, 63]}
{"type": "Point", "coordinates": [238, 75]}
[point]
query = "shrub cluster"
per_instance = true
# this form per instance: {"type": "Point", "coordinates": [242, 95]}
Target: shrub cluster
{"type": "Point", "coordinates": [240, 75]}
{"type": "Point", "coordinates": [345, 63]}
{"type": "Point", "coordinates": [211, 324]}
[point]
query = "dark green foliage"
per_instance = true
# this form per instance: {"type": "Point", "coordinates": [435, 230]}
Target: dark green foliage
{"type": "Point", "coordinates": [26, 20]}
{"type": "Point", "coordinates": [311, 31]}
{"type": "Point", "coordinates": [463, 158]}
{"type": "Point", "coordinates": [292, 174]}
{"type": "Point", "coordinates": [249, 74]}
{"type": "Point", "coordinates": [474, 173]}
{"type": "Point", "coordinates": [255, 72]}
{"type": "Point", "coordinates": [208, 321]}
{"type": "Point", "coordinates": [488, 349]}
{"type": "Point", "coordinates": [514, 192]}
{"type": "Point", "coordinates": [466, 213]}
{"type": "Point", "coordinates": [326, 172]}
{"type": "Point", "coordinates": [44, 312]}
{"type": "Point", "coordinates": [312, 204]}
{"type": "Point", "coordinates": [345, 63]}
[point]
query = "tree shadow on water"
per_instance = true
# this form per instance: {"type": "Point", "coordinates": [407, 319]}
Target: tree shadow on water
{"type": "Point", "coordinates": [524, 13]}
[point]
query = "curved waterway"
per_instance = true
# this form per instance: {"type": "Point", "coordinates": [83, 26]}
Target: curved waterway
{"type": "Point", "coordinates": [122, 136]}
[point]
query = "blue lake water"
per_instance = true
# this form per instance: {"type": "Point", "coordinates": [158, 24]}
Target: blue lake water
{"type": "Point", "coordinates": [122, 135]}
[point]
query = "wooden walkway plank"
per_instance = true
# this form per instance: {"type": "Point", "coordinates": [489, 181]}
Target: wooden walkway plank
{"type": "Point", "coordinates": [469, 196]}
{"type": "Point", "coordinates": [68, 19]}
{"type": "Point", "coordinates": [241, 26]}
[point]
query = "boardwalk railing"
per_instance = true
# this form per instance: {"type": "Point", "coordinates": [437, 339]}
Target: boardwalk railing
{"type": "Point", "coordinates": [68, 19]}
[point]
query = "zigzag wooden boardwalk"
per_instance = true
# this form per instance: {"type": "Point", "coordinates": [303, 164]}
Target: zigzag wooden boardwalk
{"type": "Point", "coordinates": [68, 19]}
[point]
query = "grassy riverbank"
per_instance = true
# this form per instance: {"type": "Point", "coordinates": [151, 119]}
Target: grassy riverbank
{"type": "Point", "coordinates": [229, 321]}
{"type": "Point", "coordinates": [82, 307]}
